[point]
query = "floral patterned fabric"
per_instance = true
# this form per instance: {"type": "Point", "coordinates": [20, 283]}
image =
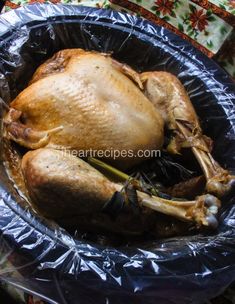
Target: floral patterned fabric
{"type": "Point", "coordinates": [202, 27]}
{"type": "Point", "coordinates": [208, 25]}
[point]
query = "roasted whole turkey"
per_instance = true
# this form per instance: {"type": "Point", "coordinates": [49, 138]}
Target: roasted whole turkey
{"type": "Point", "coordinates": [80, 100]}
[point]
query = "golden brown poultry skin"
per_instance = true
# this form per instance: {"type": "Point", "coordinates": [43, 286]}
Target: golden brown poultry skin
{"type": "Point", "coordinates": [96, 104]}
{"type": "Point", "coordinates": [67, 189]}
{"type": "Point", "coordinates": [53, 177]}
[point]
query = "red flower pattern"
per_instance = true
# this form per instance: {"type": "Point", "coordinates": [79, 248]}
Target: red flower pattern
{"type": "Point", "coordinates": [164, 6]}
{"type": "Point", "coordinates": [198, 20]}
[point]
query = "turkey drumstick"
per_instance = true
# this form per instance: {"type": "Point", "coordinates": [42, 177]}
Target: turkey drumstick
{"type": "Point", "coordinates": [171, 100]}
{"type": "Point", "coordinates": [62, 185]}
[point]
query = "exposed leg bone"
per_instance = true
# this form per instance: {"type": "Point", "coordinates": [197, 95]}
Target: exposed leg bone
{"type": "Point", "coordinates": [23, 135]}
{"type": "Point", "coordinates": [63, 184]}
{"type": "Point", "coordinates": [201, 210]}
{"type": "Point", "coordinates": [170, 98]}
{"type": "Point", "coordinates": [219, 181]}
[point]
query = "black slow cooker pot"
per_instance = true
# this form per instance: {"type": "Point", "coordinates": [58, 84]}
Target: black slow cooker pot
{"type": "Point", "coordinates": [62, 269]}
